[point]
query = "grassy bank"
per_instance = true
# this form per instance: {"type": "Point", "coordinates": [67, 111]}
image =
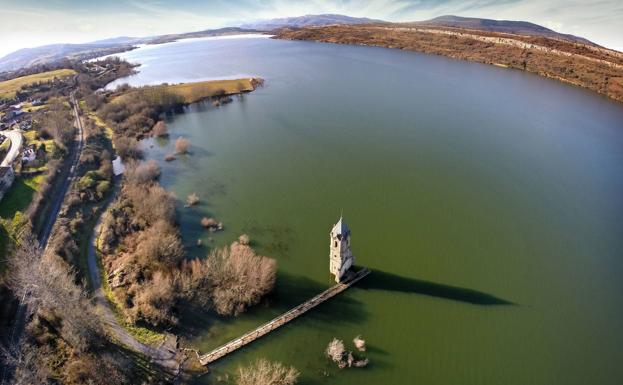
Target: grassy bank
{"type": "Point", "coordinates": [8, 88]}
{"type": "Point", "coordinates": [14, 203]}
{"type": "Point", "coordinates": [197, 91]}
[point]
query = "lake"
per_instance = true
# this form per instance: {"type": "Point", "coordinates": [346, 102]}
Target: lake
{"type": "Point", "coordinates": [487, 202]}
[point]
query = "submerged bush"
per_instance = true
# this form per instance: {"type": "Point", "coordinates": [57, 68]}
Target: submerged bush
{"type": "Point", "coordinates": [181, 145]}
{"type": "Point", "coordinates": [264, 372]}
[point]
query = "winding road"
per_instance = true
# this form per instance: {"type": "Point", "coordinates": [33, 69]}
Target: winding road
{"type": "Point", "coordinates": [166, 357]}
{"type": "Point", "coordinates": [15, 136]}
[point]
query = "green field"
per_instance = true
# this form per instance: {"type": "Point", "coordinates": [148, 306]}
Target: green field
{"type": "Point", "coordinates": [16, 200]}
{"type": "Point", "coordinates": [8, 88]}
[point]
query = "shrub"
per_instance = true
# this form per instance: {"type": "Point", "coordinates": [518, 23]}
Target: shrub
{"type": "Point", "coordinates": [160, 245]}
{"type": "Point", "coordinates": [244, 239]}
{"type": "Point", "coordinates": [181, 145]}
{"type": "Point", "coordinates": [192, 200]}
{"type": "Point", "coordinates": [160, 129]}
{"type": "Point", "coordinates": [335, 350]}
{"type": "Point", "coordinates": [142, 173]}
{"type": "Point", "coordinates": [239, 278]}
{"type": "Point", "coordinates": [127, 148]}
{"type": "Point", "coordinates": [102, 187]}
{"type": "Point", "coordinates": [208, 222]}
{"type": "Point", "coordinates": [264, 372]}
{"type": "Point", "coordinates": [155, 301]}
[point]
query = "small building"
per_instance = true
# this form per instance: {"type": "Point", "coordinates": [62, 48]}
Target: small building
{"type": "Point", "coordinates": [118, 168]}
{"type": "Point", "coordinates": [29, 154]}
{"type": "Point", "coordinates": [341, 258]}
{"type": "Point", "coordinates": [12, 114]}
{"type": "Point", "coordinates": [25, 125]}
{"type": "Point", "coordinates": [6, 180]}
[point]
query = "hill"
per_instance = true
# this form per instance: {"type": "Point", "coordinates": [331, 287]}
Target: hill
{"type": "Point", "coordinates": [53, 53]}
{"type": "Point", "coordinates": [8, 88]}
{"type": "Point", "coordinates": [502, 26]}
{"type": "Point", "coordinates": [581, 64]}
{"type": "Point", "coordinates": [308, 20]}
{"type": "Point", "coordinates": [47, 54]}
{"type": "Point", "coordinates": [193, 35]}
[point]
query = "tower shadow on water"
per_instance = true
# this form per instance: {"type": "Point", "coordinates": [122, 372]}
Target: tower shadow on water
{"type": "Point", "coordinates": [379, 280]}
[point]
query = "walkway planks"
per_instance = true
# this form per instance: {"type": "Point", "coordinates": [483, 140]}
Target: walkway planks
{"type": "Point", "coordinates": [281, 320]}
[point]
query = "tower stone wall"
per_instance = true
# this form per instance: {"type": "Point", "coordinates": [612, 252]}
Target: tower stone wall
{"type": "Point", "coordinates": [340, 255]}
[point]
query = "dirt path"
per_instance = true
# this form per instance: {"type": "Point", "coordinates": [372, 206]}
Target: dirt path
{"type": "Point", "coordinates": [167, 357]}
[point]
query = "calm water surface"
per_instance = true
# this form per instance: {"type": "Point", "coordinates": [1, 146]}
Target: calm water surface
{"type": "Point", "coordinates": [488, 202]}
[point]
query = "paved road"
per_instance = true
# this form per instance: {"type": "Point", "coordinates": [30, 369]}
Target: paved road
{"type": "Point", "coordinates": [15, 136]}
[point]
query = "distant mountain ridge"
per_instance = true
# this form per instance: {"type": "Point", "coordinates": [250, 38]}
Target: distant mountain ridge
{"type": "Point", "coordinates": [27, 57]}
{"type": "Point", "coordinates": [307, 21]}
{"type": "Point", "coordinates": [503, 26]}
{"type": "Point", "coordinates": [48, 54]}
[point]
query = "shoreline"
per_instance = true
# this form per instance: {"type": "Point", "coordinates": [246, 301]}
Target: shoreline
{"type": "Point", "coordinates": [599, 70]}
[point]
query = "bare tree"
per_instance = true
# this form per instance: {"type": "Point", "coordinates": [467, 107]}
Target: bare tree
{"type": "Point", "coordinates": [160, 245]}
{"type": "Point", "coordinates": [142, 172]}
{"type": "Point", "coordinates": [335, 350]}
{"type": "Point", "coordinates": [154, 302]}
{"type": "Point", "coordinates": [24, 361]}
{"type": "Point", "coordinates": [46, 283]}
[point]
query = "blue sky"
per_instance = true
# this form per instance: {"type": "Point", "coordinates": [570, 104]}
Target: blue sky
{"type": "Point", "coordinates": [28, 23]}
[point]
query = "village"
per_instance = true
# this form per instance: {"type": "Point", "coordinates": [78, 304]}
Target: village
{"type": "Point", "coordinates": [26, 105]}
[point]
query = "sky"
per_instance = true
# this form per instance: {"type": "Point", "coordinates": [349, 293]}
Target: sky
{"type": "Point", "coordinates": [30, 23]}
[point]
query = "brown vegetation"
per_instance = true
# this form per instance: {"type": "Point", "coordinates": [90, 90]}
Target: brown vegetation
{"type": "Point", "coordinates": [335, 350]}
{"type": "Point", "coordinates": [135, 112]}
{"type": "Point", "coordinates": [338, 353]}
{"type": "Point", "coordinates": [181, 145]}
{"type": "Point", "coordinates": [595, 68]}
{"type": "Point", "coordinates": [264, 372]}
{"type": "Point", "coordinates": [160, 129]}
{"type": "Point", "coordinates": [189, 93]}
{"type": "Point", "coordinates": [192, 200]}
{"type": "Point", "coordinates": [57, 123]}
{"type": "Point", "coordinates": [229, 279]}
{"type": "Point", "coordinates": [244, 239]}
{"type": "Point", "coordinates": [65, 340]}
{"type": "Point", "coordinates": [144, 258]}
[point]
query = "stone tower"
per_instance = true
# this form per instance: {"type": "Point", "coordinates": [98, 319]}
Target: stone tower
{"type": "Point", "coordinates": [340, 257]}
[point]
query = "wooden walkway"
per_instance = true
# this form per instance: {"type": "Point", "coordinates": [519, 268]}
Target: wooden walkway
{"type": "Point", "coordinates": [281, 320]}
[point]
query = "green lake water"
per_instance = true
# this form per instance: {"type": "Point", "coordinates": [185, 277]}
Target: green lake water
{"type": "Point", "coordinates": [487, 202]}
